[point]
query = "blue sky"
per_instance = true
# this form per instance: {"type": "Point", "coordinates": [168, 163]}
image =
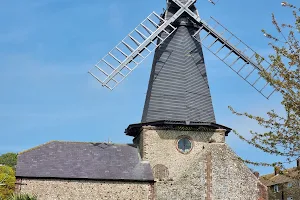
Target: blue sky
{"type": "Point", "coordinates": [47, 47]}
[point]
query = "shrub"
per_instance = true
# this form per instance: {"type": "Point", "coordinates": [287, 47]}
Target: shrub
{"type": "Point", "coordinates": [22, 197]}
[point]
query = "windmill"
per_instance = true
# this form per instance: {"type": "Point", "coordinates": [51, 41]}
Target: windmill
{"type": "Point", "coordinates": [178, 87]}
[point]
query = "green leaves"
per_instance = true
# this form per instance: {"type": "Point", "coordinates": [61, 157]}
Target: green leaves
{"type": "Point", "coordinates": [7, 181]}
{"type": "Point", "coordinates": [22, 197]}
{"type": "Point", "coordinates": [282, 132]}
{"type": "Point", "coordinates": [9, 159]}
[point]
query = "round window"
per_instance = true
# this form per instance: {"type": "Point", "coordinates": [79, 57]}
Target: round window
{"type": "Point", "coordinates": [184, 145]}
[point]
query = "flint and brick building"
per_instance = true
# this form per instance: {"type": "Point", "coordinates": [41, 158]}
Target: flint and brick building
{"type": "Point", "coordinates": [154, 167]}
{"type": "Point", "coordinates": [283, 184]}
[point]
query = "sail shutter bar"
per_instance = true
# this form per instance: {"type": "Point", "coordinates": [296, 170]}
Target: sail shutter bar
{"type": "Point", "coordinates": [149, 32]}
{"type": "Point", "coordinates": [132, 50]}
{"type": "Point", "coordinates": [252, 76]}
{"type": "Point", "coordinates": [264, 66]}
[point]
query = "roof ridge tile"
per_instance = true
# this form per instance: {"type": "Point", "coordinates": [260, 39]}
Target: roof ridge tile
{"type": "Point", "coordinates": [36, 147]}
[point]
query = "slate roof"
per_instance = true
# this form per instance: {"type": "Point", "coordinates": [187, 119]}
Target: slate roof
{"type": "Point", "coordinates": [286, 176]}
{"type": "Point", "coordinates": [178, 88]}
{"type": "Point", "coordinates": [79, 160]}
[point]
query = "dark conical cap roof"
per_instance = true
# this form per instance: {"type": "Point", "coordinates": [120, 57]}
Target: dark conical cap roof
{"type": "Point", "coordinates": [178, 87]}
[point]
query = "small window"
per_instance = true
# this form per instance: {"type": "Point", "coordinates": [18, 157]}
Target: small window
{"type": "Point", "coordinates": [289, 185]}
{"type": "Point", "coordinates": [184, 145]}
{"type": "Point", "coordinates": [290, 198]}
{"type": "Point", "coordinates": [276, 188]}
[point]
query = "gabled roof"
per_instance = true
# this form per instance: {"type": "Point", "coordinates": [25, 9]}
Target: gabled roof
{"type": "Point", "coordinates": [286, 176]}
{"type": "Point", "coordinates": [79, 160]}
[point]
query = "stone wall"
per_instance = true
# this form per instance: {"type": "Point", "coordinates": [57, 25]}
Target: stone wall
{"type": "Point", "coordinates": [47, 189]}
{"type": "Point", "coordinates": [210, 171]}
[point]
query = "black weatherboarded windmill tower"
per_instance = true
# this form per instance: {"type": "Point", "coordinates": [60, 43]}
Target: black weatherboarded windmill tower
{"type": "Point", "coordinates": [178, 88]}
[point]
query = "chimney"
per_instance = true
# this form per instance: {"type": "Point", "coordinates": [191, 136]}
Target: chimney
{"type": "Point", "coordinates": [298, 163]}
{"type": "Point", "coordinates": [256, 174]}
{"type": "Point", "coordinates": [276, 170]}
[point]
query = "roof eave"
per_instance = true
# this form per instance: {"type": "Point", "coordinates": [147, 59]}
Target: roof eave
{"type": "Point", "coordinates": [133, 129]}
{"type": "Point", "coordinates": [88, 179]}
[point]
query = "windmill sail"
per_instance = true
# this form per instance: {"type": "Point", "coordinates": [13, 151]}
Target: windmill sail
{"type": "Point", "coordinates": [236, 55]}
{"type": "Point", "coordinates": [131, 51]}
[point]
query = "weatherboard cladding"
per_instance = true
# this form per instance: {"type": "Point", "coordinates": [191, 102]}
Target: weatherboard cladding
{"type": "Point", "coordinates": [79, 160]}
{"type": "Point", "coordinates": [178, 87]}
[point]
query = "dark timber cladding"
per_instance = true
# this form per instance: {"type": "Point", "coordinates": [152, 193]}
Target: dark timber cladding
{"type": "Point", "coordinates": [178, 87]}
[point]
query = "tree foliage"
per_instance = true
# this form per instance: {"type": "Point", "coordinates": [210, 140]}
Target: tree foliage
{"type": "Point", "coordinates": [9, 159]}
{"type": "Point", "coordinates": [7, 181]}
{"type": "Point", "coordinates": [282, 135]}
{"type": "Point", "coordinates": [22, 197]}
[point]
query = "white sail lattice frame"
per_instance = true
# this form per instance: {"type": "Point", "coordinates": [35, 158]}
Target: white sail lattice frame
{"type": "Point", "coordinates": [112, 74]}
{"type": "Point", "coordinates": [247, 63]}
{"type": "Point", "coordinates": [251, 58]}
{"type": "Point", "coordinates": [132, 50]}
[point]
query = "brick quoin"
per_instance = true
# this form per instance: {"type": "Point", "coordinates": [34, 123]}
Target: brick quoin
{"type": "Point", "coordinates": [208, 176]}
{"type": "Point", "coordinates": [151, 192]}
